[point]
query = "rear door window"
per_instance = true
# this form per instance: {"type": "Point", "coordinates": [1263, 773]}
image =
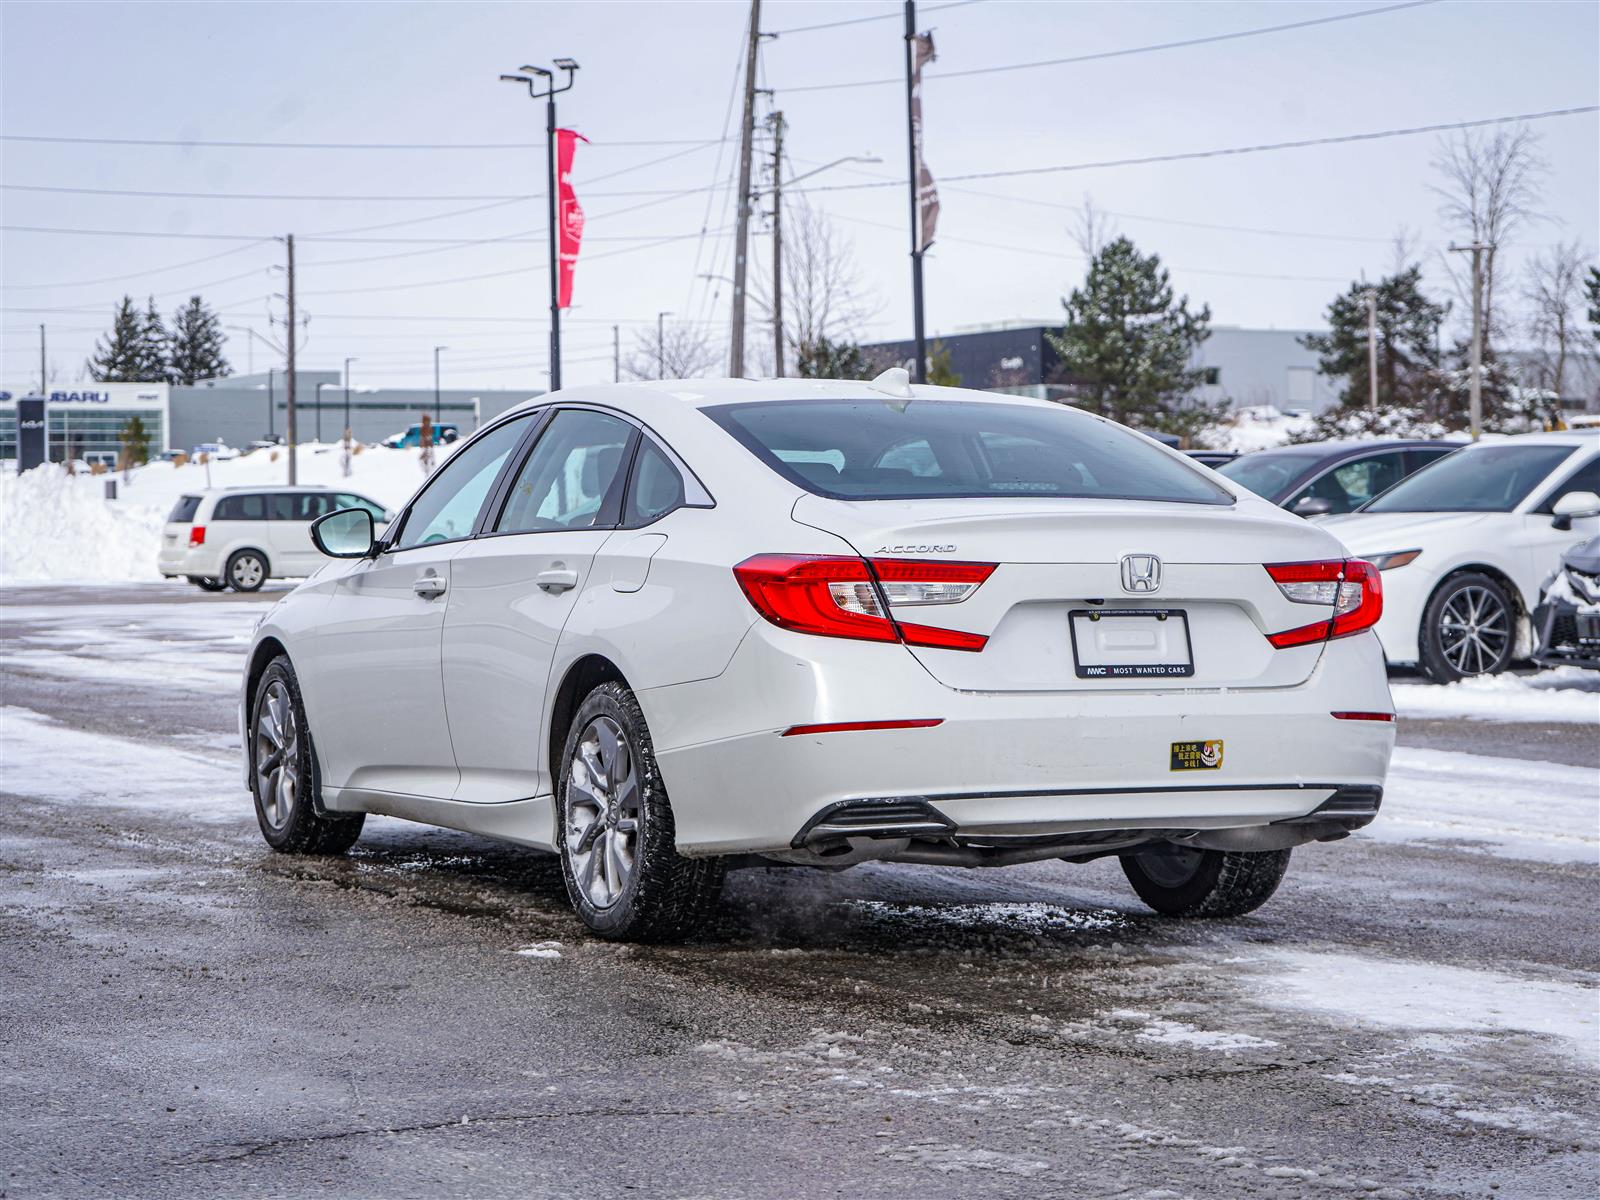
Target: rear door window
{"type": "Point", "coordinates": [573, 477]}
{"type": "Point", "coordinates": [241, 508]}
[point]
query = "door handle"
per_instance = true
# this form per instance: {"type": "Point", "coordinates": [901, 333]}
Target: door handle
{"type": "Point", "coordinates": [557, 579]}
{"type": "Point", "coordinates": [429, 587]}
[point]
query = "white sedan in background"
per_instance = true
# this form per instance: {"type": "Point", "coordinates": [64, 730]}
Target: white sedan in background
{"type": "Point", "coordinates": [665, 629]}
{"type": "Point", "coordinates": [1464, 544]}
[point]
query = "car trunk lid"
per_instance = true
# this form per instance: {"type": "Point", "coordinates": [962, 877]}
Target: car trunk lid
{"type": "Point", "coordinates": [1208, 614]}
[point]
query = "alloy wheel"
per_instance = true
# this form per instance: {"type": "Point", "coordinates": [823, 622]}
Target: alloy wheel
{"type": "Point", "coordinates": [1474, 630]}
{"type": "Point", "coordinates": [603, 812]}
{"type": "Point", "coordinates": [277, 755]}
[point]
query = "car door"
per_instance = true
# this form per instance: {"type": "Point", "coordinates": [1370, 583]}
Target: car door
{"type": "Point", "coordinates": [511, 592]}
{"type": "Point", "coordinates": [1542, 544]}
{"type": "Point", "coordinates": [1353, 482]}
{"type": "Point", "coordinates": [375, 692]}
{"type": "Point", "coordinates": [290, 531]}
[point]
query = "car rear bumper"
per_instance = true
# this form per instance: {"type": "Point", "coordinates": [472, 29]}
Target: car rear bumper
{"type": "Point", "coordinates": [999, 764]}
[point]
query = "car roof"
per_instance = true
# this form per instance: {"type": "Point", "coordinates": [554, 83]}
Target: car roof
{"type": "Point", "coordinates": [1354, 446]}
{"type": "Point", "coordinates": [708, 393]}
{"type": "Point", "coordinates": [269, 487]}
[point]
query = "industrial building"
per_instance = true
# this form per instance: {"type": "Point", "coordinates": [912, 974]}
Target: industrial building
{"type": "Point", "coordinates": [1247, 366]}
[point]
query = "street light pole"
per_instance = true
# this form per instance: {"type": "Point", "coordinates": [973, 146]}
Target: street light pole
{"type": "Point", "coordinates": [661, 343]}
{"type": "Point", "coordinates": [913, 135]}
{"type": "Point", "coordinates": [548, 95]}
{"type": "Point", "coordinates": [776, 121]}
{"type": "Point", "coordinates": [1372, 349]}
{"type": "Point", "coordinates": [347, 363]}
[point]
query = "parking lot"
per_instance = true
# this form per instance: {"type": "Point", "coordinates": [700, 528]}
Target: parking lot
{"type": "Point", "coordinates": [1413, 1015]}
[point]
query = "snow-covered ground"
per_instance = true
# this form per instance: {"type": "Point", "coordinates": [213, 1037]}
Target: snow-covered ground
{"type": "Point", "coordinates": [1568, 695]}
{"type": "Point", "coordinates": [59, 528]}
{"type": "Point", "coordinates": [1258, 428]}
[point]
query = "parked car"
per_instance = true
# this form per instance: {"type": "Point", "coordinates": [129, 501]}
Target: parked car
{"type": "Point", "coordinates": [241, 537]}
{"type": "Point", "coordinates": [1212, 458]}
{"type": "Point", "coordinates": [443, 435]}
{"type": "Point", "coordinates": [670, 629]}
{"type": "Point", "coordinates": [215, 451]}
{"type": "Point", "coordinates": [1566, 623]}
{"type": "Point", "coordinates": [1321, 479]}
{"type": "Point", "coordinates": [1464, 543]}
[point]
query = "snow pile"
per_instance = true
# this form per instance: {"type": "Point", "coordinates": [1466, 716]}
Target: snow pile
{"type": "Point", "coordinates": [53, 528]}
{"type": "Point", "coordinates": [1259, 428]}
{"type": "Point", "coordinates": [1509, 807]}
{"type": "Point", "coordinates": [1565, 695]}
{"type": "Point", "coordinates": [56, 527]}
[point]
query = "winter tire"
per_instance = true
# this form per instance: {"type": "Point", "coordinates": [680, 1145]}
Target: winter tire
{"type": "Point", "coordinates": [1181, 881]}
{"type": "Point", "coordinates": [1468, 628]}
{"type": "Point", "coordinates": [247, 570]}
{"type": "Point", "coordinates": [284, 778]}
{"type": "Point", "coordinates": [208, 585]}
{"type": "Point", "coordinates": [618, 853]}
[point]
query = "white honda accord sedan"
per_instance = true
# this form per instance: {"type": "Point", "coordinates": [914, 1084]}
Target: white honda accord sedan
{"type": "Point", "coordinates": [667, 629]}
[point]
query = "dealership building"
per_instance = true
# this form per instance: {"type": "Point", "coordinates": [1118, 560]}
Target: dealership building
{"type": "Point", "coordinates": [86, 422]}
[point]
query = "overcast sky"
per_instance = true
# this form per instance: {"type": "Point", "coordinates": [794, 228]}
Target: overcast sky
{"type": "Point", "coordinates": [1266, 239]}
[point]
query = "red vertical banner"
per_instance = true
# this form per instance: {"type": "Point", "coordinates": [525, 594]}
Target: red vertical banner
{"type": "Point", "coordinates": [569, 213]}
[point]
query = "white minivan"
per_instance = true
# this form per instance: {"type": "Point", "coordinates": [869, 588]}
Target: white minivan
{"type": "Point", "coordinates": [241, 537]}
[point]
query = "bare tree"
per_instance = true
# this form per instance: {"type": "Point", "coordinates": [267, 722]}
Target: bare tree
{"type": "Point", "coordinates": [1403, 249]}
{"type": "Point", "coordinates": [1093, 229]}
{"type": "Point", "coordinates": [824, 298]}
{"type": "Point", "coordinates": [1554, 291]}
{"type": "Point", "coordinates": [1490, 187]}
{"type": "Point", "coordinates": [684, 350]}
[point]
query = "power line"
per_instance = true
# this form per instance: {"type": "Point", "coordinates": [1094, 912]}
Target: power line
{"type": "Point", "coordinates": [931, 8]}
{"type": "Point", "coordinates": [242, 145]}
{"type": "Point", "coordinates": [193, 262]}
{"type": "Point", "coordinates": [1123, 53]}
{"type": "Point", "coordinates": [1227, 151]}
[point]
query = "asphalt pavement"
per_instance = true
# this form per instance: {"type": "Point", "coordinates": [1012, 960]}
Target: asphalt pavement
{"type": "Point", "coordinates": [185, 1013]}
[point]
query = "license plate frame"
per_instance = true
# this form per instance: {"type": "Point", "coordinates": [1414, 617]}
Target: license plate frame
{"type": "Point", "coordinates": [1108, 670]}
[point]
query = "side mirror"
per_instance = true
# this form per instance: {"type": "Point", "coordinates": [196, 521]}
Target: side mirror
{"type": "Point", "coordinates": [1574, 504]}
{"type": "Point", "coordinates": [1312, 506]}
{"type": "Point", "coordinates": [347, 533]}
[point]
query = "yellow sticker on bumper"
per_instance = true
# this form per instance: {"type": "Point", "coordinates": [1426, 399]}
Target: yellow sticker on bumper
{"type": "Point", "coordinates": [1196, 756]}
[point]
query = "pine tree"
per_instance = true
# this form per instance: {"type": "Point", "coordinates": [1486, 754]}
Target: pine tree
{"type": "Point", "coordinates": [196, 345]}
{"type": "Point", "coordinates": [119, 358]}
{"type": "Point", "coordinates": [135, 439]}
{"type": "Point", "coordinates": [153, 346]}
{"type": "Point", "coordinates": [822, 359]}
{"type": "Point", "coordinates": [939, 370]}
{"type": "Point", "coordinates": [1128, 343]}
{"type": "Point", "coordinates": [1411, 399]}
{"type": "Point", "coordinates": [1592, 290]}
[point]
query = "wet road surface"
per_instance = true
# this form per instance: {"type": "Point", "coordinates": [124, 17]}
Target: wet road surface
{"type": "Point", "coordinates": [183, 1012]}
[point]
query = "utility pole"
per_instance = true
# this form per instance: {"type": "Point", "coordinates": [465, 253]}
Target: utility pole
{"type": "Point", "coordinates": [436, 350]}
{"type": "Point", "coordinates": [1372, 348]}
{"type": "Point", "coordinates": [661, 344]}
{"type": "Point", "coordinates": [616, 354]}
{"type": "Point", "coordinates": [741, 237]}
{"type": "Point", "coordinates": [551, 91]}
{"type": "Point", "coordinates": [44, 382]}
{"type": "Point", "coordinates": [293, 474]}
{"type": "Point", "coordinates": [1475, 383]}
{"type": "Point", "coordinates": [920, 375]}
{"type": "Point", "coordinates": [776, 121]}
{"type": "Point", "coordinates": [272, 404]}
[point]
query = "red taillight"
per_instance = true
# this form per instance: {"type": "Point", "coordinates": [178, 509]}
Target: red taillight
{"type": "Point", "coordinates": [836, 596]}
{"type": "Point", "coordinates": [1349, 587]}
{"type": "Point", "coordinates": [1362, 716]}
{"type": "Point", "coordinates": [197, 535]}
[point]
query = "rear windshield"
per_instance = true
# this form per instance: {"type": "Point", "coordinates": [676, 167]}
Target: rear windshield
{"type": "Point", "coordinates": [1493, 478]}
{"type": "Point", "coordinates": [923, 449]}
{"type": "Point", "coordinates": [184, 510]}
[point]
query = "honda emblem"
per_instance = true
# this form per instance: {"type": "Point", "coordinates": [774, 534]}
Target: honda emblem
{"type": "Point", "coordinates": [1141, 573]}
